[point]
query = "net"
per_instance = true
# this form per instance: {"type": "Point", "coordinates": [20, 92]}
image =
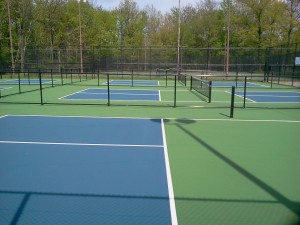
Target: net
{"type": "Point", "coordinates": [203, 87]}
{"type": "Point", "coordinates": [182, 79]}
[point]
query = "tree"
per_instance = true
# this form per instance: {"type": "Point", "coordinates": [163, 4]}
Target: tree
{"type": "Point", "coordinates": [23, 14]}
{"type": "Point", "coordinates": [131, 23]}
{"type": "Point", "coordinates": [210, 24]}
{"type": "Point", "coordinates": [153, 25]}
{"type": "Point", "coordinates": [292, 23]}
{"type": "Point", "coordinates": [49, 14]}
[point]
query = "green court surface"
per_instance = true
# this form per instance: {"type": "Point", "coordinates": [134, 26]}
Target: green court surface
{"type": "Point", "coordinates": [230, 171]}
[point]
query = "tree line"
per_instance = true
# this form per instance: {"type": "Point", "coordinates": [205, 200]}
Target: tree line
{"type": "Point", "coordinates": [56, 24]}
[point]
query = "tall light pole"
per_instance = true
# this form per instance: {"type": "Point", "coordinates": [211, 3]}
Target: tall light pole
{"type": "Point", "coordinates": [10, 37]}
{"type": "Point", "coordinates": [178, 38]}
{"type": "Point", "coordinates": [80, 36]}
{"type": "Point", "coordinates": [228, 39]}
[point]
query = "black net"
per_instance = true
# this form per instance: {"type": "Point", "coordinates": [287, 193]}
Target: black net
{"type": "Point", "coordinates": [203, 87]}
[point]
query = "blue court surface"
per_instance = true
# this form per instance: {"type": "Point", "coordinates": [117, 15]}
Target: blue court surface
{"type": "Point", "coordinates": [271, 96]}
{"type": "Point", "coordinates": [236, 84]}
{"type": "Point", "coordinates": [81, 170]}
{"type": "Point", "coordinates": [134, 83]}
{"type": "Point", "coordinates": [26, 81]}
{"type": "Point", "coordinates": [121, 95]}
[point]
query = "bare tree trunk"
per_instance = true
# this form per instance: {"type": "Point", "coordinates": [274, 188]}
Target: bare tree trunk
{"type": "Point", "coordinates": [10, 37]}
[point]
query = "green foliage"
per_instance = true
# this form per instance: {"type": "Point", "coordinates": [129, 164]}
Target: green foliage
{"type": "Point", "coordinates": [53, 24]}
{"type": "Point", "coordinates": [131, 23]}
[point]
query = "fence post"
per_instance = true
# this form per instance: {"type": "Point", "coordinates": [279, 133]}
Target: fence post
{"type": "Point", "coordinates": [62, 77]}
{"type": "Point", "coordinates": [52, 77]}
{"type": "Point", "coordinates": [108, 91]}
{"type": "Point", "coordinates": [19, 81]}
{"type": "Point", "coordinates": [245, 91]}
{"type": "Point", "coordinates": [175, 90]}
{"type": "Point", "coordinates": [131, 78]}
{"type": "Point", "coordinates": [232, 101]}
{"type": "Point", "coordinates": [41, 87]}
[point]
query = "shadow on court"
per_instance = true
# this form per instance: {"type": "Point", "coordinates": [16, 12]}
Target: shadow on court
{"type": "Point", "coordinates": [281, 199]}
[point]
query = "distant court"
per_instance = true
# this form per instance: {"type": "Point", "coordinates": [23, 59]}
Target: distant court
{"type": "Point", "coordinates": [236, 84]}
{"type": "Point", "coordinates": [271, 96]}
{"type": "Point", "coordinates": [135, 82]}
{"type": "Point", "coordinates": [115, 94]}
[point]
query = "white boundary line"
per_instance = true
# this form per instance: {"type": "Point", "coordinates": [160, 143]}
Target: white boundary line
{"type": "Point", "coordinates": [241, 96]}
{"type": "Point", "coordinates": [62, 98]}
{"type": "Point", "coordinates": [3, 116]}
{"type": "Point", "coordinates": [4, 88]}
{"type": "Point", "coordinates": [79, 144]}
{"type": "Point", "coordinates": [124, 82]}
{"type": "Point", "coordinates": [237, 120]}
{"type": "Point", "coordinates": [169, 118]}
{"type": "Point", "coordinates": [159, 96]}
{"type": "Point", "coordinates": [257, 85]}
{"type": "Point", "coordinates": [169, 178]}
{"type": "Point", "coordinates": [88, 117]}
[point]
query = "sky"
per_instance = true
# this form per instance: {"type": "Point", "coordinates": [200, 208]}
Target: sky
{"type": "Point", "coordinates": [162, 5]}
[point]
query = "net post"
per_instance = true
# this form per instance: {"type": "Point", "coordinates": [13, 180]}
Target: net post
{"type": "Point", "coordinates": [236, 78]}
{"type": "Point", "coordinates": [166, 79]}
{"type": "Point", "coordinates": [19, 80]}
{"type": "Point", "coordinates": [71, 76]}
{"type": "Point", "coordinates": [51, 71]}
{"type": "Point", "coordinates": [209, 91]}
{"type": "Point", "coordinates": [28, 77]}
{"type": "Point", "coordinates": [62, 78]}
{"type": "Point", "coordinates": [80, 75]}
{"type": "Point", "coordinates": [191, 83]}
{"type": "Point", "coordinates": [175, 90]}
{"type": "Point", "coordinates": [245, 92]}
{"type": "Point", "coordinates": [41, 87]}
{"type": "Point", "coordinates": [98, 77]}
{"type": "Point", "coordinates": [131, 78]}
{"type": "Point", "coordinates": [232, 101]}
{"type": "Point", "coordinates": [272, 75]}
{"type": "Point", "coordinates": [108, 90]}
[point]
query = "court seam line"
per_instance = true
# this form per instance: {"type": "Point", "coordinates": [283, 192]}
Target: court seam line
{"type": "Point", "coordinates": [87, 117]}
{"type": "Point", "coordinates": [105, 99]}
{"type": "Point", "coordinates": [79, 144]}
{"type": "Point", "coordinates": [169, 177]}
{"type": "Point", "coordinates": [159, 96]}
{"type": "Point", "coordinates": [274, 96]}
{"type": "Point", "coordinates": [274, 91]}
{"type": "Point", "coordinates": [62, 98]}
{"type": "Point", "coordinates": [253, 102]}
{"type": "Point", "coordinates": [5, 88]}
{"type": "Point", "coordinates": [100, 88]}
{"type": "Point", "coordinates": [241, 96]}
{"type": "Point", "coordinates": [239, 120]}
{"type": "Point", "coordinates": [169, 118]}
{"type": "Point", "coordinates": [112, 93]}
{"type": "Point", "coordinates": [257, 85]}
